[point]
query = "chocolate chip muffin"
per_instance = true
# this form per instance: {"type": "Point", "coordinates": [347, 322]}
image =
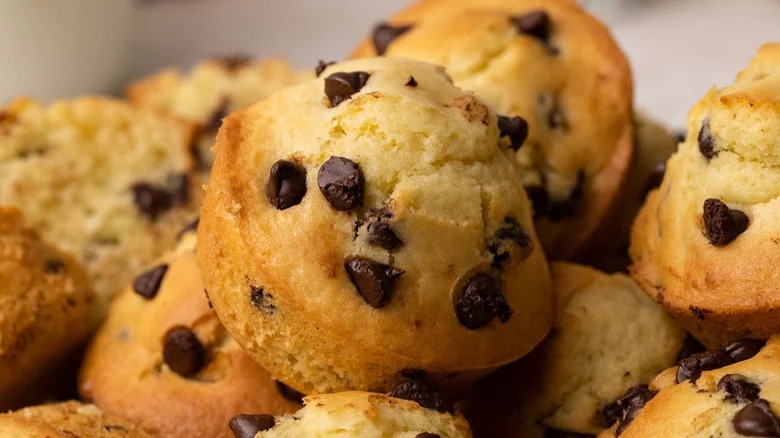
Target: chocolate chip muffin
{"type": "Point", "coordinates": [106, 182]}
{"type": "Point", "coordinates": [607, 336]}
{"type": "Point", "coordinates": [365, 226]}
{"type": "Point", "coordinates": [212, 90]}
{"type": "Point", "coordinates": [559, 80]}
{"type": "Point", "coordinates": [705, 243]}
{"type": "Point", "coordinates": [44, 302]}
{"type": "Point", "coordinates": [654, 144]}
{"type": "Point", "coordinates": [163, 360]}
{"type": "Point", "coordinates": [354, 414]}
{"type": "Point", "coordinates": [729, 393]}
{"type": "Point", "coordinates": [66, 420]}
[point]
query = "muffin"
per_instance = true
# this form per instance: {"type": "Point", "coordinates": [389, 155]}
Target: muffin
{"type": "Point", "coordinates": [607, 336]}
{"type": "Point", "coordinates": [212, 90]}
{"type": "Point", "coordinates": [556, 68]}
{"type": "Point", "coordinates": [180, 373]}
{"type": "Point", "coordinates": [66, 420]}
{"type": "Point", "coordinates": [354, 414]}
{"type": "Point", "coordinates": [729, 393]}
{"type": "Point", "coordinates": [702, 242]}
{"type": "Point", "coordinates": [108, 183]}
{"type": "Point", "coordinates": [654, 144]}
{"type": "Point", "coordinates": [389, 238]}
{"type": "Point", "coordinates": [44, 301]}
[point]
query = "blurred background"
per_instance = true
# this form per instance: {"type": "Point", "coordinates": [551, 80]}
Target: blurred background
{"type": "Point", "coordinates": [57, 48]}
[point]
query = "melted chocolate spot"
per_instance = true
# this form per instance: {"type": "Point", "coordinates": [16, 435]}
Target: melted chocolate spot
{"type": "Point", "coordinates": [374, 281]}
{"type": "Point", "coordinates": [479, 301]}
{"type": "Point", "coordinates": [426, 393]}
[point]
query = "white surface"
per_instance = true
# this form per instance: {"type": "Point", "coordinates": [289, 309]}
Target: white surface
{"type": "Point", "coordinates": [678, 48]}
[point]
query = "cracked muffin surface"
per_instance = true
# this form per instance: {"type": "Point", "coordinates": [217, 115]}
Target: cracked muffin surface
{"type": "Point", "coordinates": [556, 67]}
{"type": "Point", "coordinates": [365, 226]}
{"type": "Point", "coordinates": [180, 373]}
{"type": "Point", "coordinates": [703, 241]}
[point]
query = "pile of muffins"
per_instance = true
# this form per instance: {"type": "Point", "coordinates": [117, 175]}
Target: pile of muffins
{"type": "Point", "coordinates": [426, 240]}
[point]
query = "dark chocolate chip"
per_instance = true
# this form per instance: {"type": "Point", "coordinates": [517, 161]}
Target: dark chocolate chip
{"type": "Point", "coordinates": [555, 433]}
{"type": "Point", "coordinates": [382, 235]}
{"type": "Point", "coordinates": [738, 388]}
{"type": "Point", "coordinates": [289, 393]}
{"type": "Point", "coordinates": [757, 419]}
{"type": "Point", "coordinates": [374, 281]}
{"type": "Point", "coordinates": [631, 403]}
{"type": "Point", "coordinates": [341, 183]}
{"type": "Point", "coordinates": [560, 209]}
{"type": "Point", "coordinates": [681, 136]}
{"type": "Point", "coordinates": [508, 234]}
{"type": "Point", "coordinates": [611, 414]}
{"type": "Point", "coordinates": [179, 188]}
{"type": "Point", "coordinates": [148, 283]}
{"type": "Point", "coordinates": [235, 61]}
{"type": "Point", "coordinates": [722, 224]}
{"type": "Point", "coordinates": [384, 34]}
{"type": "Point", "coordinates": [53, 266]}
{"type": "Point", "coordinates": [426, 393]}
{"type": "Point", "coordinates": [556, 119]}
{"type": "Point", "coordinates": [412, 82]}
{"type": "Point", "coordinates": [150, 200]}
{"type": "Point", "coordinates": [183, 352]}
{"type": "Point", "coordinates": [247, 426]}
{"type": "Point", "coordinates": [341, 85]}
{"type": "Point", "coordinates": [539, 199]}
{"type": "Point", "coordinates": [689, 347]}
{"type": "Point", "coordinates": [214, 121]}
{"type": "Point", "coordinates": [692, 366]}
{"type": "Point", "coordinates": [321, 66]}
{"type": "Point", "coordinates": [744, 349]}
{"type": "Point", "coordinates": [706, 142]}
{"type": "Point", "coordinates": [192, 226]}
{"type": "Point", "coordinates": [261, 299]}
{"type": "Point", "coordinates": [286, 184]}
{"type": "Point", "coordinates": [427, 435]}
{"type": "Point", "coordinates": [535, 23]}
{"type": "Point", "coordinates": [516, 128]}
{"type": "Point", "coordinates": [479, 301]}
{"type": "Point", "coordinates": [654, 178]}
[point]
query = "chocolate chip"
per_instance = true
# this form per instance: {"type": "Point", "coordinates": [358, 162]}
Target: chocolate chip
{"type": "Point", "coordinates": [509, 235]}
{"type": "Point", "coordinates": [341, 183]}
{"type": "Point", "coordinates": [699, 312]}
{"type": "Point", "coordinates": [738, 388]}
{"type": "Point", "coordinates": [539, 199]}
{"type": "Point", "coordinates": [192, 226]}
{"type": "Point", "coordinates": [247, 426]}
{"type": "Point", "coordinates": [691, 367]}
{"type": "Point", "coordinates": [321, 66]}
{"type": "Point", "coordinates": [214, 121]}
{"type": "Point", "coordinates": [479, 301]}
{"type": "Point", "coordinates": [384, 34]}
{"type": "Point", "coordinates": [757, 419]}
{"type": "Point", "coordinates": [286, 184]}
{"type": "Point", "coordinates": [183, 352]}
{"type": "Point", "coordinates": [610, 414]}
{"type": "Point", "coordinates": [654, 178]}
{"type": "Point", "coordinates": [289, 393]}
{"type": "Point", "coordinates": [556, 119]}
{"type": "Point", "coordinates": [53, 266]}
{"type": "Point", "coordinates": [744, 349]}
{"type": "Point", "coordinates": [412, 82]}
{"type": "Point", "coordinates": [414, 373]}
{"type": "Point", "coordinates": [631, 403]}
{"type": "Point", "coordinates": [535, 23]}
{"type": "Point", "coordinates": [341, 85]}
{"type": "Point", "coordinates": [721, 224]}
{"type": "Point", "coordinates": [148, 283]}
{"type": "Point", "coordinates": [427, 435]}
{"type": "Point", "coordinates": [516, 128]}
{"type": "Point", "coordinates": [560, 209]}
{"type": "Point", "coordinates": [382, 235]}
{"type": "Point", "coordinates": [150, 200]}
{"type": "Point", "coordinates": [681, 136]}
{"type": "Point", "coordinates": [555, 433]}
{"type": "Point", "coordinates": [261, 299]}
{"type": "Point", "coordinates": [706, 142]}
{"type": "Point", "coordinates": [234, 62]}
{"type": "Point", "coordinates": [426, 393]}
{"type": "Point", "coordinates": [374, 281]}
{"type": "Point", "coordinates": [179, 188]}
{"type": "Point", "coordinates": [689, 347]}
